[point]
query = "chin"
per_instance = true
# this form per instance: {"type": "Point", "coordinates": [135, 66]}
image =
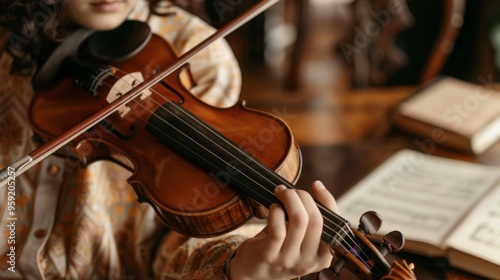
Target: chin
{"type": "Point", "coordinates": [102, 25]}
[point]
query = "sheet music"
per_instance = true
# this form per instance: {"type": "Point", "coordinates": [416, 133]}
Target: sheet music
{"type": "Point", "coordinates": [422, 196]}
{"type": "Point", "coordinates": [479, 234]}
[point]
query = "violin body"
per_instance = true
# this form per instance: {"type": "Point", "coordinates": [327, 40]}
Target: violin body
{"type": "Point", "coordinates": [185, 196]}
{"type": "Point", "coordinates": [198, 166]}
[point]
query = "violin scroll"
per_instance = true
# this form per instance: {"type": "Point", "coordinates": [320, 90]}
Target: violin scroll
{"type": "Point", "coordinates": [365, 260]}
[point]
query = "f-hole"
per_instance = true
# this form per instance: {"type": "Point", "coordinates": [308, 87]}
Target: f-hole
{"type": "Point", "coordinates": [109, 127]}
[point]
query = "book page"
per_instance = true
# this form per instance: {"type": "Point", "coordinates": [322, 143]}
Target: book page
{"type": "Point", "coordinates": [479, 233]}
{"type": "Point", "coordinates": [422, 196]}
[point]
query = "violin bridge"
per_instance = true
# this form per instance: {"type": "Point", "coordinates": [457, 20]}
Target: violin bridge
{"type": "Point", "coordinates": [125, 84]}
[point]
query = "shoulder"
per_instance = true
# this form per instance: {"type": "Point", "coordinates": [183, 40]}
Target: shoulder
{"type": "Point", "coordinates": [214, 68]}
{"type": "Point", "coordinates": [174, 24]}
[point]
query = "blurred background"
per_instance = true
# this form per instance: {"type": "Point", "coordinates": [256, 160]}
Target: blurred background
{"type": "Point", "coordinates": [337, 66]}
{"type": "Point", "coordinates": [335, 69]}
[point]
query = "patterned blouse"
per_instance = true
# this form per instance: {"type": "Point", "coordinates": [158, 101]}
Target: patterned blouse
{"type": "Point", "coordinates": [85, 223]}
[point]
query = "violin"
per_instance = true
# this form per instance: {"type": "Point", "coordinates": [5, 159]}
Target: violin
{"type": "Point", "coordinates": [198, 166]}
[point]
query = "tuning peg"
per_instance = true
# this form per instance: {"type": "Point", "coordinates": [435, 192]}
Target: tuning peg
{"type": "Point", "coordinates": [327, 274]}
{"type": "Point", "coordinates": [392, 242]}
{"type": "Point", "coordinates": [369, 223]}
{"type": "Point", "coordinates": [337, 266]}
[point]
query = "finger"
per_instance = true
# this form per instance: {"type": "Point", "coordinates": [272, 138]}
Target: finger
{"type": "Point", "coordinates": [325, 255]}
{"type": "Point", "coordinates": [324, 196]}
{"type": "Point", "coordinates": [297, 222]}
{"type": "Point", "coordinates": [312, 237]}
{"type": "Point", "coordinates": [259, 211]}
{"type": "Point", "coordinates": [275, 232]}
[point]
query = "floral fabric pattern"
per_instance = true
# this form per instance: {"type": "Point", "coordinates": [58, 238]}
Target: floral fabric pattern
{"type": "Point", "coordinates": [86, 223]}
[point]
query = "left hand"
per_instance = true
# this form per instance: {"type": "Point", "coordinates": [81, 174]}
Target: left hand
{"type": "Point", "coordinates": [284, 250]}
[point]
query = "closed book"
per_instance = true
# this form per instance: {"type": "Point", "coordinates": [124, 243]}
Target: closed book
{"type": "Point", "coordinates": [452, 113]}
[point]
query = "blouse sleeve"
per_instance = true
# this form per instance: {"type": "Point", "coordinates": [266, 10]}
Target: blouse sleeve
{"type": "Point", "coordinates": [195, 258]}
{"type": "Point", "coordinates": [215, 69]}
{"type": "Point", "coordinates": [183, 258]}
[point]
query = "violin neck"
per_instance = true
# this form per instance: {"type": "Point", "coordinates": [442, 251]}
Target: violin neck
{"type": "Point", "coordinates": [200, 143]}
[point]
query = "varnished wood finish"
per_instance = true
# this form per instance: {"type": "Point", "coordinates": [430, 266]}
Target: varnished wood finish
{"type": "Point", "coordinates": [184, 195]}
{"type": "Point", "coordinates": [183, 192]}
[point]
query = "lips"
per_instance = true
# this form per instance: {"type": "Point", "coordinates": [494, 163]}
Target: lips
{"type": "Point", "coordinates": [106, 6]}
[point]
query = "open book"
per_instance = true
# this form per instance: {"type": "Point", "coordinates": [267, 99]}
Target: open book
{"type": "Point", "coordinates": [443, 207]}
{"type": "Point", "coordinates": [452, 113]}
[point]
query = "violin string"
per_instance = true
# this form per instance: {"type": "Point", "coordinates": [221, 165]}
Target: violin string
{"type": "Point", "coordinates": [348, 234]}
{"type": "Point", "coordinates": [200, 123]}
{"type": "Point", "coordinates": [221, 159]}
{"type": "Point", "coordinates": [353, 250]}
{"type": "Point", "coordinates": [167, 100]}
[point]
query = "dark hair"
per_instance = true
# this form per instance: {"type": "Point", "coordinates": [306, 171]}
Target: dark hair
{"type": "Point", "coordinates": [31, 26]}
{"type": "Point", "coordinates": [34, 25]}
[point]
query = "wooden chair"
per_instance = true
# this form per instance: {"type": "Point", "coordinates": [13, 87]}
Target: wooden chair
{"type": "Point", "coordinates": [375, 64]}
{"type": "Point", "coordinates": [453, 18]}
